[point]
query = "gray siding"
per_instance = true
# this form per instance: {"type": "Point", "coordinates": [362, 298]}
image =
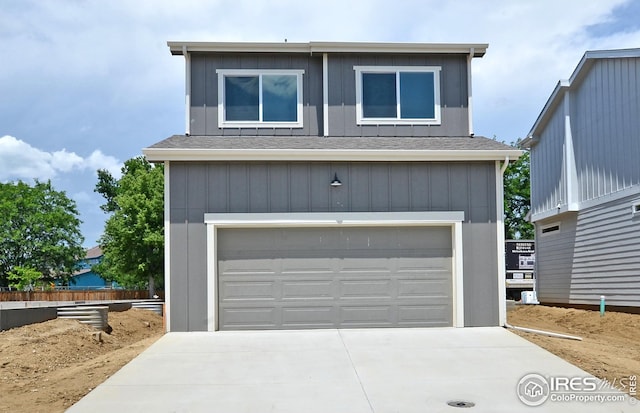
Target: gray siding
{"type": "Point", "coordinates": [342, 93]}
{"type": "Point", "coordinates": [554, 257]}
{"type": "Point", "coordinates": [606, 122]}
{"type": "Point", "coordinates": [604, 108]}
{"type": "Point", "coordinates": [548, 186]}
{"type": "Point", "coordinates": [220, 187]}
{"type": "Point", "coordinates": [204, 91]}
{"type": "Point", "coordinates": [453, 95]}
{"type": "Point", "coordinates": [596, 253]}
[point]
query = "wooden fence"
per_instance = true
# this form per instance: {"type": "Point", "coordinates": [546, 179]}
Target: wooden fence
{"type": "Point", "coordinates": [76, 295]}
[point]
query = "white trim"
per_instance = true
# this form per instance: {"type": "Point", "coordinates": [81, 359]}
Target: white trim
{"type": "Point", "coordinates": [571, 173]}
{"type": "Point", "coordinates": [635, 208]}
{"type": "Point", "coordinates": [222, 123]}
{"type": "Point", "coordinates": [502, 277]}
{"type": "Point", "coordinates": [453, 219]}
{"type": "Point", "coordinates": [616, 196]}
{"type": "Point", "coordinates": [187, 87]}
{"type": "Point", "coordinates": [183, 154]}
{"type": "Point", "coordinates": [325, 94]}
{"type": "Point", "coordinates": [458, 273]}
{"type": "Point", "coordinates": [361, 120]}
{"type": "Point", "coordinates": [167, 246]}
{"type": "Point", "coordinates": [212, 285]}
{"type": "Point", "coordinates": [470, 93]}
{"type": "Point", "coordinates": [177, 47]}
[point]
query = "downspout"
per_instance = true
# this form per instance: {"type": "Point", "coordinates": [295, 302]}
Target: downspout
{"type": "Point", "coordinates": [504, 166]}
{"type": "Point", "coordinates": [502, 278]}
{"type": "Point", "coordinates": [470, 94]}
{"type": "Point", "coordinates": [187, 87]}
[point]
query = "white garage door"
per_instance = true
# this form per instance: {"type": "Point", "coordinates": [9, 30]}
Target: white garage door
{"type": "Point", "coordinates": [292, 278]}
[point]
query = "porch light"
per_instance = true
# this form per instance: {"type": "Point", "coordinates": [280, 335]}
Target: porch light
{"type": "Point", "coordinates": [336, 182]}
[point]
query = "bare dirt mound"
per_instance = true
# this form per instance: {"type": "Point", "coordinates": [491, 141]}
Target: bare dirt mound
{"type": "Point", "coordinates": [47, 367]}
{"type": "Point", "coordinates": [611, 344]}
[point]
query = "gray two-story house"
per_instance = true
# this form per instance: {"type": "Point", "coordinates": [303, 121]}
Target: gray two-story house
{"type": "Point", "coordinates": [585, 184]}
{"type": "Point", "coordinates": [331, 185]}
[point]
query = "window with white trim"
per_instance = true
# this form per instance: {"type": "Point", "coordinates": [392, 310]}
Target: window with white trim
{"type": "Point", "coordinates": [259, 98]}
{"type": "Point", "coordinates": [397, 95]}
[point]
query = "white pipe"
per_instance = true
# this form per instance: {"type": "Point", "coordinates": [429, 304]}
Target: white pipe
{"type": "Point", "coordinates": [542, 332]}
{"type": "Point", "coordinates": [504, 166]}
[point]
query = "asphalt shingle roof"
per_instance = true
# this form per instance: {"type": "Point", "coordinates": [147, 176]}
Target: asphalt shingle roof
{"type": "Point", "coordinates": [463, 143]}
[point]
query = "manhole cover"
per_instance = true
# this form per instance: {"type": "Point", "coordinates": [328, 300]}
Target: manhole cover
{"type": "Point", "coordinates": [460, 403]}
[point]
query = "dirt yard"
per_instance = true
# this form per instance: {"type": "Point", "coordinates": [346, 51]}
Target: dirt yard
{"type": "Point", "coordinates": [49, 366]}
{"type": "Point", "coordinates": [611, 344]}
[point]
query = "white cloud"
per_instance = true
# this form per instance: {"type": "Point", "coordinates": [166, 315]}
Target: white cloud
{"type": "Point", "coordinates": [20, 160]}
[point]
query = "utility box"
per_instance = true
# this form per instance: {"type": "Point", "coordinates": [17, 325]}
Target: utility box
{"type": "Point", "coordinates": [520, 259]}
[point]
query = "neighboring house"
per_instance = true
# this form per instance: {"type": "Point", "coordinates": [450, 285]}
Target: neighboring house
{"type": "Point", "coordinates": [85, 278]}
{"type": "Point", "coordinates": [585, 183]}
{"type": "Point", "coordinates": [324, 185]}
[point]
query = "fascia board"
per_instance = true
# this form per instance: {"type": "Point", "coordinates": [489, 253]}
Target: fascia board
{"type": "Point", "coordinates": [479, 49]}
{"type": "Point", "coordinates": [179, 47]}
{"type": "Point", "coordinates": [552, 103]}
{"type": "Point", "coordinates": [163, 154]}
{"type": "Point", "coordinates": [581, 70]}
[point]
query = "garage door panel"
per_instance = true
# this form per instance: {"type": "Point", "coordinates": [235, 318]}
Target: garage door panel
{"type": "Point", "coordinates": [259, 317]}
{"type": "Point", "coordinates": [307, 289]}
{"type": "Point", "coordinates": [423, 315]}
{"type": "Point", "coordinates": [366, 288]}
{"type": "Point", "coordinates": [366, 316]}
{"type": "Point", "coordinates": [424, 288]}
{"type": "Point", "coordinates": [248, 290]}
{"type": "Point", "coordinates": [318, 317]}
{"type": "Point", "coordinates": [334, 277]}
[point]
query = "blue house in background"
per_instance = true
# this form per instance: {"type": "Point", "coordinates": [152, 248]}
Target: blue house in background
{"type": "Point", "coordinates": [85, 278]}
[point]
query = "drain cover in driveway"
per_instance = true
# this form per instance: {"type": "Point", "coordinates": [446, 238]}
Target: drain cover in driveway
{"type": "Point", "coordinates": [460, 403]}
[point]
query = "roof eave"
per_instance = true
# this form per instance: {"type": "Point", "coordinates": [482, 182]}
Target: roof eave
{"type": "Point", "coordinates": [180, 47]}
{"type": "Point", "coordinates": [173, 154]}
{"type": "Point", "coordinates": [581, 70]}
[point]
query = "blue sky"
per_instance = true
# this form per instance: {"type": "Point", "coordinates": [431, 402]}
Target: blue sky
{"type": "Point", "coordinates": [86, 84]}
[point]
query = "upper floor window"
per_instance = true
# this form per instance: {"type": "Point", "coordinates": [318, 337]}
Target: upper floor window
{"type": "Point", "coordinates": [259, 98]}
{"type": "Point", "coordinates": [397, 95]}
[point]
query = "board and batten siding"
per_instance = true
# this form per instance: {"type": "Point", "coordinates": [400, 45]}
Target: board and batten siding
{"type": "Point", "coordinates": [548, 186]}
{"type": "Point", "coordinates": [204, 91]}
{"type": "Point", "coordinates": [341, 97]}
{"type": "Point", "coordinates": [595, 253]}
{"type": "Point", "coordinates": [605, 123]}
{"type": "Point", "coordinates": [453, 95]}
{"type": "Point", "coordinates": [197, 188]}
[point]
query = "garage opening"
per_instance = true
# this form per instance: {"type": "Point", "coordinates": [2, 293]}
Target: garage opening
{"type": "Point", "coordinates": [334, 277]}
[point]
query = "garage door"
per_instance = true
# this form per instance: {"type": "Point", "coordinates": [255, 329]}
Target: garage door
{"type": "Point", "coordinates": [292, 278]}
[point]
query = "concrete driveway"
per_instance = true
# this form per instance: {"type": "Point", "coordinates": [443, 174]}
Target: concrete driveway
{"type": "Point", "coordinates": [332, 371]}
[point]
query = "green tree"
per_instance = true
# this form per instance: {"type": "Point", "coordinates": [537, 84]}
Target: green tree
{"type": "Point", "coordinates": [39, 230]}
{"type": "Point", "coordinates": [517, 199]}
{"type": "Point", "coordinates": [23, 278]}
{"type": "Point", "coordinates": [133, 239]}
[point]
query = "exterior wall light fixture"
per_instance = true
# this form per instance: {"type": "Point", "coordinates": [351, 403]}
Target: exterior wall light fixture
{"type": "Point", "coordinates": [336, 182]}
